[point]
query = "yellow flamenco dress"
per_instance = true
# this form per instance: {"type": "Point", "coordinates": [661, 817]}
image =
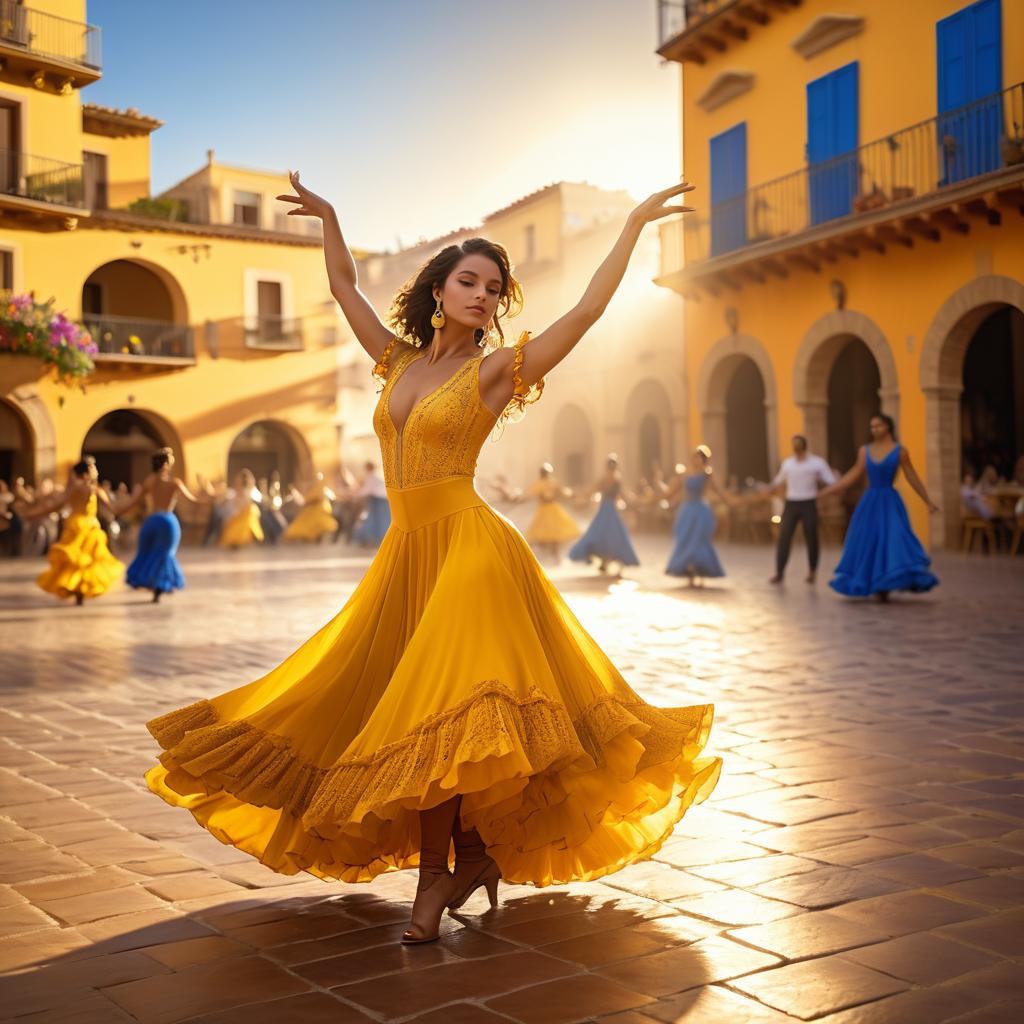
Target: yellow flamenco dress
{"type": "Point", "coordinates": [552, 524]}
{"type": "Point", "coordinates": [316, 520]}
{"type": "Point", "coordinates": [243, 527]}
{"type": "Point", "coordinates": [81, 562]}
{"type": "Point", "coordinates": [454, 668]}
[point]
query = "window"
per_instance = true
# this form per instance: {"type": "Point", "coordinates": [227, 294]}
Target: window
{"type": "Point", "coordinates": [530, 243]}
{"type": "Point", "coordinates": [729, 190]}
{"type": "Point", "coordinates": [832, 131]}
{"type": "Point", "coordinates": [95, 180]}
{"type": "Point", "coordinates": [6, 269]}
{"type": "Point", "coordinates": [268, 306]}
{"type": "Point", "coordinates": [247, 209]}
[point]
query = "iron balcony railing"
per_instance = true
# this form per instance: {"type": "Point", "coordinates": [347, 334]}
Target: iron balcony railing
{"type": "Point", "coordinates": [675, 16]}
{"type": "Point", "coordinates": [926, 158]}
{"type": "Point", "coordinates": [131, 337]}
{"type": "Point", "coordinates": [40, 178]}
{"type": "Point", "coordinates": [274, 332]}
{"type": "Point", "coordinates": [49, 35]}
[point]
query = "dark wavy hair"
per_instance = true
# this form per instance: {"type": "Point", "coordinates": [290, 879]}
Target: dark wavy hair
{"type": "Point", "coordinates": [85, 467]}
{"type": "Point", "coordinates": [160, 458]}
{"type": "Point", "coordinates": [888, 421]}
{"type": "Point", "coordinates": [414, 305]}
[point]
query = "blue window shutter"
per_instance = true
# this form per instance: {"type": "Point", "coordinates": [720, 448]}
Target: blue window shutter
{"type": "Point", "coordinates": [729, 189]}
{"type": "Point", "coordinates": [832, 133]}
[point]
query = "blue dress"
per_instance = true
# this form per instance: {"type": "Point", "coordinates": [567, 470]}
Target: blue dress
{"type": "Point", "coordinates": [606, 537]}
{"type": "Point", "coordinates": [155, 566]}
{"type": "Point", "coordinates": [881, 552]}
{"type": "Point", "coordinates": [371, 528]}
{"type": "Point", "coordinates": [694, 527]}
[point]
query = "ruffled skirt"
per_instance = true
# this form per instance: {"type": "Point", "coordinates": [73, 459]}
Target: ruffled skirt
{"type": "Point", "coordinates": [155, 566]}
{"type": "Point", "coordinates": [81, 562]}
{"type": "Point", "coordinates": [605, 538]}
{"type": "Point", "coordinates": [243, 528]}
{"type": "Point", "coordinates": [693, 552]}
{"type": "Point", "coordinates": [552, 525]}
{"type": "Point", "coordinates": [314, 522]}
{"type": "Point", "coordinates": [881, 552]}
{"type": "Point", "coordinates": [454, 668]}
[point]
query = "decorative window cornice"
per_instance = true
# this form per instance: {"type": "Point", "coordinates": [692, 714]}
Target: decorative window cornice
{"type": "Point", "coordinates": [826, 31]}
{"type": "Point", "coordinates": [724, 87]}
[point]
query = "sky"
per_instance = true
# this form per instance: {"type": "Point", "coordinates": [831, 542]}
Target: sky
{"type": "Point", "coordinates": [413, 117]}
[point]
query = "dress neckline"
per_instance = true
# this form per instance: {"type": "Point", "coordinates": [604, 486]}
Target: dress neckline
{"type": "Point", "coordinates": [878, 462]}
{"type": "Point", "coordinates": [429, 394]}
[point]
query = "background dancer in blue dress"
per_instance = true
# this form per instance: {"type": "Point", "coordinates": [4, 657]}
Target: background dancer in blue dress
{"type": "Point", "coordinates": [606, 538]}
{"type": "Point", "coordinates": [371, 527]}
{"type": "Point", "coordinates": [694, 555]}
{"type": "Point", "coordinates": [881, 553]}
{"type": "Point", "coordinates": [156, 565]}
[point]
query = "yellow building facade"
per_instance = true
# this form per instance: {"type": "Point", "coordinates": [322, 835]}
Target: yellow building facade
{"type": "Point", "coordinates": [216, 329]}
{"type": "Point", "coordinates": [859, 240]}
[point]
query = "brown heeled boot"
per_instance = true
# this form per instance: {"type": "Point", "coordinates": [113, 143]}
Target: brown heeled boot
{"type": "Point", "coordinates": [436, 884]}
{"type": "Point", "coordinates": [474, 867]}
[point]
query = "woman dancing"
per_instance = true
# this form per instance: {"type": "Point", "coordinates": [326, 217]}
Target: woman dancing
{"type": "Point", "coordinates": [455, 698]}
{"type": "Point", "coordinates": [155, 566]}
{"type": "Point", "coordinates": [81, 564]}
{"type": "Point", "coordinates": [316, 520]}
{"type": "Point", "coordinates": [694, 555]}
{"type": "Point", "coordinates": [881, 552]}
{"type": "Point", "coordinates": [552, 526]}
{"type": "Point", "coordinates": [242, 524]}
{"type": "Point", "coordinates": [606, 538]}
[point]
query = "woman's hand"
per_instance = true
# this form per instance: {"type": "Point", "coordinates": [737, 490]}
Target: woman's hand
{"type": "Point", "coordinates": [310, 204]}
{"type": "Point", "coordinates": [655, 207]}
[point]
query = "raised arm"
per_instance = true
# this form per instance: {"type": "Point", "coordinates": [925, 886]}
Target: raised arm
{"type": "Point", "coordinates": [548, 348]}
{"type": "Point", "coordinates": [914, 480]}
{"type": "Point", "coordinates": [369, 329]}
{"type": "Point", "coordinates": [851, 476]}
{"type": "Point", "coordinates": [199, 499]}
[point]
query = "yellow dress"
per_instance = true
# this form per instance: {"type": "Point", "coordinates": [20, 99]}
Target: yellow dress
{"type": "Point", "coordinates": [242, 528]}
{"type": "Point", "coordinates": [315, 520]}
{"type": "Point", "coordinates": [81, 562]}
{"type": "Point", "coordinates": [552, 524]}
{"type": "Point", "coordinates": [454, 668]}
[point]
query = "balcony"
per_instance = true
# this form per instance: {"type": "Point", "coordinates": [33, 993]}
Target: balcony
{"type": "Point", "coordinates": [274, 333]}
{"type": "Point", "coordinates": [694, 30]}
{"type": "Point", "coordinates": [932, 178]}
{"type": "Point", "coordinates": [130, 340]}
{"type": "Point", "coordinates": [39, 184]}
{"type": "Point", "coordinates": [38, 43]}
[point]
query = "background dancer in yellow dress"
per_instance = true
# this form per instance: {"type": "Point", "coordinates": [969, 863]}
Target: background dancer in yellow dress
{"type": "Point", "coordinates": [455, 698]}
{"type": "Point", "coordinates": [242, 523]}
{"type": "Point", "coordinates": [552, 526]}
{"type": "Point", "coordinates": [316, 520]}
{"type": "Point", "coordinates": [81, 564]}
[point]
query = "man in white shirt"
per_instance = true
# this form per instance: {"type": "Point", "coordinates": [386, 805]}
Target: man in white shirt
{"type": "Point", "coordinates": [800, 474]}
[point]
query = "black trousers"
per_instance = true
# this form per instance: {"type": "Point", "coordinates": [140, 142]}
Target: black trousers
{"type": "Point", "coordinates": [805, 512]}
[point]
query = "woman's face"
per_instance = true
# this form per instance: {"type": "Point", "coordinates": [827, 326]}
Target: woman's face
{"type": "Point", "coordinates": [470, 295]}
{"type": "Point", "coordinates": [879, 429]}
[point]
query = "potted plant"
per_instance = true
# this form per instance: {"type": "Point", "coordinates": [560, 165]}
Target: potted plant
{"type": "Point", "coordinates": [33, 328]}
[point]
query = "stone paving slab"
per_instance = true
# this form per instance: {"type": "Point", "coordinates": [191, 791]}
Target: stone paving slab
{"type": "Point", "coordinates": [861, 862]}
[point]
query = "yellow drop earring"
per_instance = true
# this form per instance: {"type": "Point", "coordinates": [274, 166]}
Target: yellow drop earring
{"type": "Point", "coordinates": [437, 321]}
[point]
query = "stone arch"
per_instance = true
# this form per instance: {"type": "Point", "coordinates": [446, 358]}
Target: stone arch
{"type": "Point", "coordinates": [26, 402]}
{"type": "Point", "coordinates": [299, 461]}
{"type": "Point", "coordinates": [941, 374]}
{"type": "Point", "coordinates": [815, 358]}
{"type": "Point", "coordinates": [132, 462]}
{"type": "Point", "coordinates": [573, 446]}
{"type": "Point", "coordinates": [716, 373]}
{"type": "Point", "coordinates": [648, 415]}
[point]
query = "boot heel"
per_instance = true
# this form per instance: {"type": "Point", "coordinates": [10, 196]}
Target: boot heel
{"type": "Point", "coordinates": [492, 890]}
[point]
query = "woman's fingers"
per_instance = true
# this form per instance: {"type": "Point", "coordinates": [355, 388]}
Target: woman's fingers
{"type": "Point", "coordinates": [290, 199]}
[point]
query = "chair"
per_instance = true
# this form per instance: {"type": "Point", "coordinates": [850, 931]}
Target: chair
{"type": "Point", "coordinates": [1018, 532]}
{"type": "Point", "coordinates": [975, 525]}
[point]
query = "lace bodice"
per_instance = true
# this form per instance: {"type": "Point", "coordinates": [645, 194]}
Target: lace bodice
{"type": "Point", "coordinates": [443, 433]}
